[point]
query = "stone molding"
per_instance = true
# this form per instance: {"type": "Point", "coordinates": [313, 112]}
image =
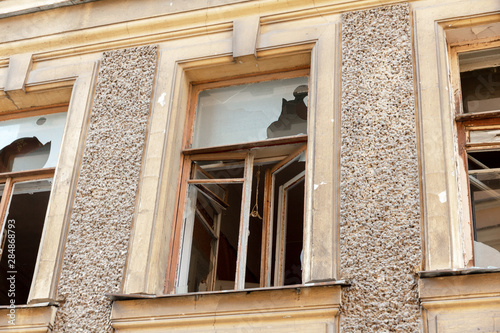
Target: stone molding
{"type": "Point", "coordinates": [461, 303]}
{"type": "Point", "coordinates": [288, 309]}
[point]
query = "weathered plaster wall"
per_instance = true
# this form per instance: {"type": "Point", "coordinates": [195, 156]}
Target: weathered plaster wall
{"type": "Point", "coordinates": [103, 209]}
{"type": "Point", "coordinates": [380, 212]}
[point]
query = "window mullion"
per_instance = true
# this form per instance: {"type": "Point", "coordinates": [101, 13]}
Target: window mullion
{"type": "Point", "coordinates": [214, 255]}
{"type": "Point", "coordinates": [244, 223]}
{"type": "Point", "coordinates": [5, 198]}
{"type": "Point", "coordinates": [186, 240]}
{"type": "Point", "coordinates": [266, 249]}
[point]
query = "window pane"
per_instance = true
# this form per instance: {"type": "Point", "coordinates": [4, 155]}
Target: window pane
{"type": "Point", "coordinates": [218, 169]}
{"type": "Point", "coordinates": [202, 170]}
{"type": "Point", "coordinates": [485, 136]}
{"type": "Point", "coordinates": [251, 112]}
{"type": "Point", "coordinates": [254, 245]}
{"type": "Point", "coordinates": [210, 245]}
{"type": "Point", "coordinates": [288, 223]}
{"type": "Point", "coordinates": [31, 143]}
{"type": "Point", "coordinates": [228, 241]}
{"type": "Point", "coordinates": [294, 232]}
{"type": "Point", "coordinates": [202, 250]}
{"type": "Point", "coordinates": [480, 80]}
{"type": "Point", "coordinates": [484, 183]}
{"type": "Point", "coordinates": [23, 227]}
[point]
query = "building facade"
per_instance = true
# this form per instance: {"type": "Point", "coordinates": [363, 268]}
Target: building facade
{"type": "Point", "coordinates": [249, 166]}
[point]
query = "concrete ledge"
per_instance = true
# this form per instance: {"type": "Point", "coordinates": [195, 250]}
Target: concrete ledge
{"type": "Point", "coordinates": [28, 318]}
{"type": "Point", "coordinates": [459, 287]}
{"type": "Point", "coordinates": [305, 308]}
{"type": "Point", "coordinates": [461, 303]}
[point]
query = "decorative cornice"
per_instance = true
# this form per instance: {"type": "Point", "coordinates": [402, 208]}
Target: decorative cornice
{"type": "Point", "coordinates": [170, 26]}
{"type": "Point", "coordinates": [9, 10]}
{"type": "Point", "coordinates": [134, 41]}
{"type": "Point", "coordinates": [328, 9]}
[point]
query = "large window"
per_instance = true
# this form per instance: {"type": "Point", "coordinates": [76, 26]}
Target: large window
{"type": "Point", "coordinates": [240, 217]}
{"type": "Point", "coordinates": [29, 148]}
{"type": "Point", "coordinates": [477, 74]}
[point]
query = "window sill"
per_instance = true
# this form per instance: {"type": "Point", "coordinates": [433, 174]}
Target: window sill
{"type": "Point", "coordinates": [33, 318]}
{"type": "Point", "coordinates": [310, 307]}
{"type": "Point", "coordinates": [455, 272]}
{"type": "Point", "coordinates": [461, 300]}
{"type": "Point", "coordinates": [446, 285]}
{"type": "Point", "coordinates": [477, 116]}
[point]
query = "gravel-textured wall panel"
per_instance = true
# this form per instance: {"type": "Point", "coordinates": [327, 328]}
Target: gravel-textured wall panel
{"type": "Point", "coordinates": [380, 208]}
{"type": "Point", "coordinates": [99, 231]}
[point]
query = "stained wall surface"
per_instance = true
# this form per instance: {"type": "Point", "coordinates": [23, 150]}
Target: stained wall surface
{"type": "Point", "coordinates": [99, 231]}
{"type": "Point", "coordinates": [380, 214]}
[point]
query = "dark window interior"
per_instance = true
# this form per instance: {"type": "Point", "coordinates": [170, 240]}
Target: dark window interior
{"type": "Point", "coordinates": [484, 184]}
{"type": "Point", "coordinates": [481, 90]}
{"type": "Point", "coordinates": [28, 211]}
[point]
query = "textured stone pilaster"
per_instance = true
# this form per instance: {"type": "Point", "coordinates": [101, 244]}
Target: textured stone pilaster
{"type": "Point", "coordinates": [103, 209]}
{"type": "Point", "coordinates": [380, 208]}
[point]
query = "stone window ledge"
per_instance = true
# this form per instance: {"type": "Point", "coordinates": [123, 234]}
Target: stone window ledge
{"type": "Point", "coordinates": [456, 272]}
{"type": "Point", "coordinates": [36, 318]}
{"type": "Point", "coordinates": [446, 286]}
{"type": "Point", "coordinates": [310, 308]}
{"type": "Point", "coordinates": [461, 300]}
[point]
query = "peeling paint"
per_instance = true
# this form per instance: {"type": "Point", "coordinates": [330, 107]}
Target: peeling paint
{"type": "Point", "coordinates": [478, 30]}
{"type": "Point", "coordinates": [442, 197]}
{"type": "Point", "coordinates": [161, 100]}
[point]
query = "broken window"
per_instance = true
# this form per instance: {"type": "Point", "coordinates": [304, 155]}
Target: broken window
{"type": "Point", "coordinates": [484, 184]}
{"type": "Point", "coordinates": [29, 148]}
{"type": "Point", "coordinates": [241, 207]}
{"type": "Point", "coordinates": [480, 80]}
{"type": "Point", "coordinates": [479, 137]}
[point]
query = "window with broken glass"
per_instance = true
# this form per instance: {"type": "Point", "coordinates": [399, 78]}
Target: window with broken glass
{"type": "Point", "coordinates": [477, 91]}
{"type": "Point", "coordinates": [29, 147]}
{"type": "Point", "coordinates": [240, 215]}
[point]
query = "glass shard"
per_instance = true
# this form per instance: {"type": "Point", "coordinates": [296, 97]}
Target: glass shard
{"type": "Point", "coordinates": [31, 143]}
{"type": "Point", "coordinates": [251, 112]}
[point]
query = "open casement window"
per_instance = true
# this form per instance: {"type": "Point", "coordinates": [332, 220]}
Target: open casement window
{"type": "Point", "coordinates": [29, 148]}
{"type": "Point", "coordinates": [478, 126]}
{"type": "Point", "coordinates": [241, 200]}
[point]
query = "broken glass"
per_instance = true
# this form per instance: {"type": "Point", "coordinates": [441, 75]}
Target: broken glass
{"type": "Point", "coordinates": [480, 80]}
{"type": "Point", "coordinates": [31, 143]}
{"type": "Point", "coordinates": [251, 112]}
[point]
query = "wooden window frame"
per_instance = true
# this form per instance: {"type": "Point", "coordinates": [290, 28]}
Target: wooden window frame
{"type": "Point", "coordinates": [9, 179]}
{"type": "Point", "coordinates": [465, 123]}
{"type": "Point", "coordinates": [243, 151]}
